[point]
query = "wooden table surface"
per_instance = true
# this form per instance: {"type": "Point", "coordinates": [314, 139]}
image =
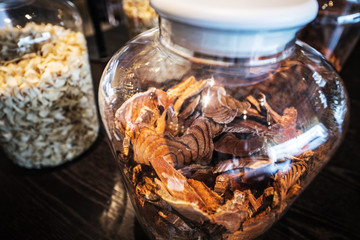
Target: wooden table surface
{"type": "Point", "coordinates": [85, 199]}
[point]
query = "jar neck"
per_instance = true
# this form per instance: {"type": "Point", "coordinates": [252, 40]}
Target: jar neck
{"type": "Point", "coordinates": [226, 46]}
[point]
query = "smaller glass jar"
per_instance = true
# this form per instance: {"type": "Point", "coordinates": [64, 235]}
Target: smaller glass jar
{"type": "Point", "coordinates": [47, 109]}
{"type": "Point", "coordinates": [335, 30]}
{"type": "Point", "coordinates": [139, 16]}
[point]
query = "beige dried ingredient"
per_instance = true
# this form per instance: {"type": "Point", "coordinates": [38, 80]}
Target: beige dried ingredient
{"type": "Point", "coordinates": [47, 107]}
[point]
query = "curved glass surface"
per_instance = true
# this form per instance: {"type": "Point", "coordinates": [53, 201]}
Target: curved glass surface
{"type": "Point", "coordinates": [214, 150]}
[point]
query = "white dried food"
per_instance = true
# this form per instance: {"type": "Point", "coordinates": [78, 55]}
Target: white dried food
{"type": "Point", "coordinates": [47, 108]}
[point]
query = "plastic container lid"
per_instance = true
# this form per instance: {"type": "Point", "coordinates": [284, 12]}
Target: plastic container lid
{"type": "Point", "coordinates": [239, 14]}
{"type": "Point", "coordinates": [235, 28]}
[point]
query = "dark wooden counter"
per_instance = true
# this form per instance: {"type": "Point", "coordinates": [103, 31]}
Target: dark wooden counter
{"type": "Point", "coordinates": [85, 199]}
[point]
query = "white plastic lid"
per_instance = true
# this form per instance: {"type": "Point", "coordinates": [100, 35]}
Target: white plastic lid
{"type": "Point", "coordinates": [235, 28]}
{"type": "Point", "coordinates": [239, 14]}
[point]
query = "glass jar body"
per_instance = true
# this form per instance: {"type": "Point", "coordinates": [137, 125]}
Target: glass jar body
{"type": "Point", "coordinates": [218, 149]}
{"type": "Point", "coordinates": [48, 113]}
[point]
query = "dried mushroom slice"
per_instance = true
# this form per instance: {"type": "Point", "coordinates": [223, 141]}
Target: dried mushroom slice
{"type": "Point", "coordinates": [194, 146]}
{"type": "Point", "coordinates": [285, 180]}
{"type": "Point", "coordinates": [143, 109]}
{"type": "Point", "coordinates": [198, 139]}
{"type": "Point", "coordinates": [189, 108]}
{"type": "Point", "coordinates": [187, 209]}
{"type": "Point", "coordinates": [221, 107]}
{"type": "Point", "coordinates": [230, 144]}
{"type": "Point", "coordinates": [175, 183]}
{"type": "Point", "coordinates": [149, 144]}
{"type": "Point", "coordinates": [247, 126]}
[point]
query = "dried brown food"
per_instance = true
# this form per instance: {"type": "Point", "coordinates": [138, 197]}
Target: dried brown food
{"type": "Point", "coordinates": [184, 90]}
{"type": "Point", "coordinates": [246, 126]}
{"type": "Point", "coordinates": [141, 109]}
{"type": "Point", "coordinates": [233, 213]}
{"type": "Point", "coordinates": [189, 170]}
{"type": "Point", "coordinates": [188, 209]}
{"type": "Point", "coordinates": [221, 107]}
{"type": "Point", "coordinates": [285, 180]}
{"type": "Point", "coordinates": [285, 128]}
{"type": "Point", "coordinates": [202, 162]}
{"type": "Point", "coordinates": [228, 182]}
{"type": "Point", "coordinates": [146, 190]}
{"type": "Point", "coordinates": [194, 146]}
{"type": "Point", "coordinates": [199, 172]}
{"type": "Point", "coordinates": [229, 143]}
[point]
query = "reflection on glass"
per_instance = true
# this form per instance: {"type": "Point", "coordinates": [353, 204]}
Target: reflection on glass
{"type": "Point", "coordinates": [310, 140]}
{"type": "Point", "coordinates": [117, 219]}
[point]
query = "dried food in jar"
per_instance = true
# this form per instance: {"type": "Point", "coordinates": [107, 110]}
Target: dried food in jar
{"type": "Point", "coordinates": [47, 107]}
{"type": "Point", "coordinates": [241, 190]}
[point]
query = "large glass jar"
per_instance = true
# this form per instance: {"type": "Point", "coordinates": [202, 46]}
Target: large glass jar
{"type": "Point", "coordinates": [335, 31]}
{"type": "Point", "coordinates": [219, 119]}
{"type": "Point", "coordinates": [47, 108]}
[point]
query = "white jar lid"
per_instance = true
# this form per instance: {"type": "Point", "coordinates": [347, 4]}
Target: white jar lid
{"type": "Point", "coordinates": [235, 28]}
{"type": "Point", "coordinates": [239, 14]}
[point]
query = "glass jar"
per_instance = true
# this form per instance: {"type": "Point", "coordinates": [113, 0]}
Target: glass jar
{"type": "Point", "coordinates": [139, 16]}
{"type": "Point", "coordinates": [219, 119]}
{"type": "Point", "coordinates": [47, 108]}
{"type": "Point", "coordinates": [335, 30]}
